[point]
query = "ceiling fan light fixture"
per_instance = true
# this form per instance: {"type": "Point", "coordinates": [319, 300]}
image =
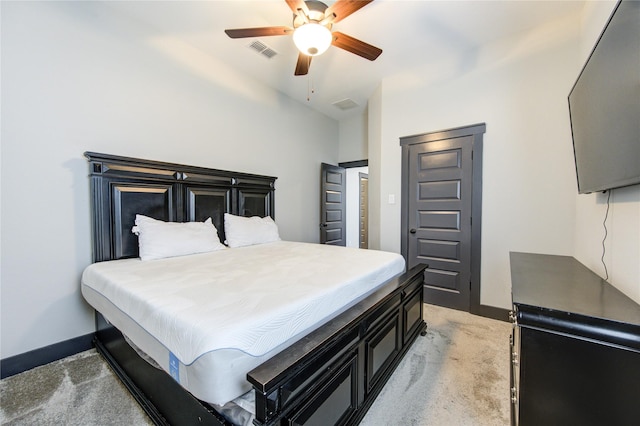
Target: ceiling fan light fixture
{"type": "Point", "coordinates": [312, 39]}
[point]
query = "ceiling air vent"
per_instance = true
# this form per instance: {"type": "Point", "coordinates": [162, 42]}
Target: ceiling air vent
{"type": "Point", "coordinates": [263, 49]}
{"type": "Point", "coordinates": [345, 104]}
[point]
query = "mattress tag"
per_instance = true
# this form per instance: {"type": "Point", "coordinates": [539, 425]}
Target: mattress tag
{"type": "Point", "coordinates": [174, 367]}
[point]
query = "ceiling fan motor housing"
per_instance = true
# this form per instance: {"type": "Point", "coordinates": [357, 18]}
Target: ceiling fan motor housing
{"type": "Point", "coordinates": [316, 14]}
{"type": "Point", "coordinates": [312, 36]}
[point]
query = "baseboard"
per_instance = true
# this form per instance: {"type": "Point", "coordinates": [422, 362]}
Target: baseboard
{"type": "Point", "coordinates": [493, 312]}
{"type": "Point", "coordinates": [37, 357]}
{"type": "Point", "coordinates": [352, 164]}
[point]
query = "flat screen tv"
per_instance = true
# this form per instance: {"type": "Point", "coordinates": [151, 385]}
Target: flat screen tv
{"type": "Point", "coordinates": [604, 106]}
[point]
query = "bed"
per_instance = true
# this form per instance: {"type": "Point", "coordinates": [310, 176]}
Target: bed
{"type": "Point", "coordinates": [307, 351]}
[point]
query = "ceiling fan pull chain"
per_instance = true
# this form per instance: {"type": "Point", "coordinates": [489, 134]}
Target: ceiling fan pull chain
{"type": "Point", "coordinates": [310, 88]}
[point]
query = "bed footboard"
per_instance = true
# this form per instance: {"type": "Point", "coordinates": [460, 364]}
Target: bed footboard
{"type": "Point", "coordinates": [333, 375]}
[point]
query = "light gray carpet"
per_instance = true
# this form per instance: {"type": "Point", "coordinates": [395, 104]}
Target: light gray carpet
{"type": "Point", "coordinates": [78, 390]}
{"type": "Point", "coordinates": [458, 374]}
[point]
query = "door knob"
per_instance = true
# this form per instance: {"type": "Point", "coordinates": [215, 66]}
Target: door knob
{"type": "Point", "coordinates": [323, 225]}
{"type": "Point", "coordinates": [412, 230]}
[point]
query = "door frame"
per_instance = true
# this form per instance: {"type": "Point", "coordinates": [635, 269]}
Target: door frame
{"type": "Point", "coordinates": [363, 207]}
{"type": "Point", "coordinates": [476, 131]}
{"type": "Point", "coordinates": [353, 165]}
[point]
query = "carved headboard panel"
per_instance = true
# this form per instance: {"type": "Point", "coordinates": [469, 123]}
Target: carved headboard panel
{"type": "Point", "coordinates": [122, 187]}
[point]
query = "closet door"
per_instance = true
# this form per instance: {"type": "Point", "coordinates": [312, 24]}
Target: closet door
{"type": "Point", "coordinates": [438, 180]}
{"type": "Point", "coordinates": [440, 219]}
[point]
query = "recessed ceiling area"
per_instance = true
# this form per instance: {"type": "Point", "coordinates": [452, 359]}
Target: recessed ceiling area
{"type": "Point", "coordinates": [412, 34]}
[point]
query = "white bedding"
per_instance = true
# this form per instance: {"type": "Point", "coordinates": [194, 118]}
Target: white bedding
{"type": "Point", "coordinates": [237, 306]}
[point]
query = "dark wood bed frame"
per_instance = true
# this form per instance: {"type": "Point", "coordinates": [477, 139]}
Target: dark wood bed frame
{"type": "Point", "coordinates": [330, 376]}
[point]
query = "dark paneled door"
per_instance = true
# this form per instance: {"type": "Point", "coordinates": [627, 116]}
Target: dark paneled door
{"type": "Point", "coordinates": [332, 205]}
{"type": "Point", "coordinates": [440, 182]}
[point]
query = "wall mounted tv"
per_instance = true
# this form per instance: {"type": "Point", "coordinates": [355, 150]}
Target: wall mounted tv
{"type": "Point", "coordinates": [604, 106]}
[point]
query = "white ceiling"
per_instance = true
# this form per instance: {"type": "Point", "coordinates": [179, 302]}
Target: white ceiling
{"type": "Point", "coordinates": [411, 34]}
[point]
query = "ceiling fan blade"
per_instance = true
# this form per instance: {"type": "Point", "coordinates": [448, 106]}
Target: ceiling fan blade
{"type": "Point", "coordinates": [258, 32]}
{"type": "Point", "coordinates": [294, 5]}
{"type": "Point", "coordinates": [356, 46]}
{"type": "Point", "coordinates": [343, 8]}
{"type": "Point", "coordinates": [303, 64]}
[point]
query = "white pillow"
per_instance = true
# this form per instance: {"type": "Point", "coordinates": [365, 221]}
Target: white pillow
{"type": "Point", "coordinates": [246, 231]}
{"type": "Point", "coordinates": [158, 239]}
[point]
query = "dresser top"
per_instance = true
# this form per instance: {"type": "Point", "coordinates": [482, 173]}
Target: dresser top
{"type": "Point", "coordinates": [561, 283]}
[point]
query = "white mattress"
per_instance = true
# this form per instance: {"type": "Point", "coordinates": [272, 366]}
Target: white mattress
{"type": "Point", "coordinates": [210, 318]}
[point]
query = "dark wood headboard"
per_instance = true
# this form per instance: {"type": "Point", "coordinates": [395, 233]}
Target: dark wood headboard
{"type": "Point", "coordinates": [122, 187]}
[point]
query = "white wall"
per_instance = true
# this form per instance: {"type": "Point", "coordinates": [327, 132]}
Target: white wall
{"type": "Point", "coordinates": [622, 255]}
{"type": "Point", "coordinates": [374, 132]}
{"type": "Point", "coordinates": [77, 78]}
{"type": "Point", "coordinates": [353, 138]}
{"type": "Point", "coordinates": [519, 88]}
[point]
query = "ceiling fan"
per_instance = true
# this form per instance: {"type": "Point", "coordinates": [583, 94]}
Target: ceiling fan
{"type": "Point", "coordinates": [312, 23]}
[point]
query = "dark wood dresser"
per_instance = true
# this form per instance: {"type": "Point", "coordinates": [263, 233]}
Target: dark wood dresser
{"type": "Point", "coordinates": [575, 347]}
